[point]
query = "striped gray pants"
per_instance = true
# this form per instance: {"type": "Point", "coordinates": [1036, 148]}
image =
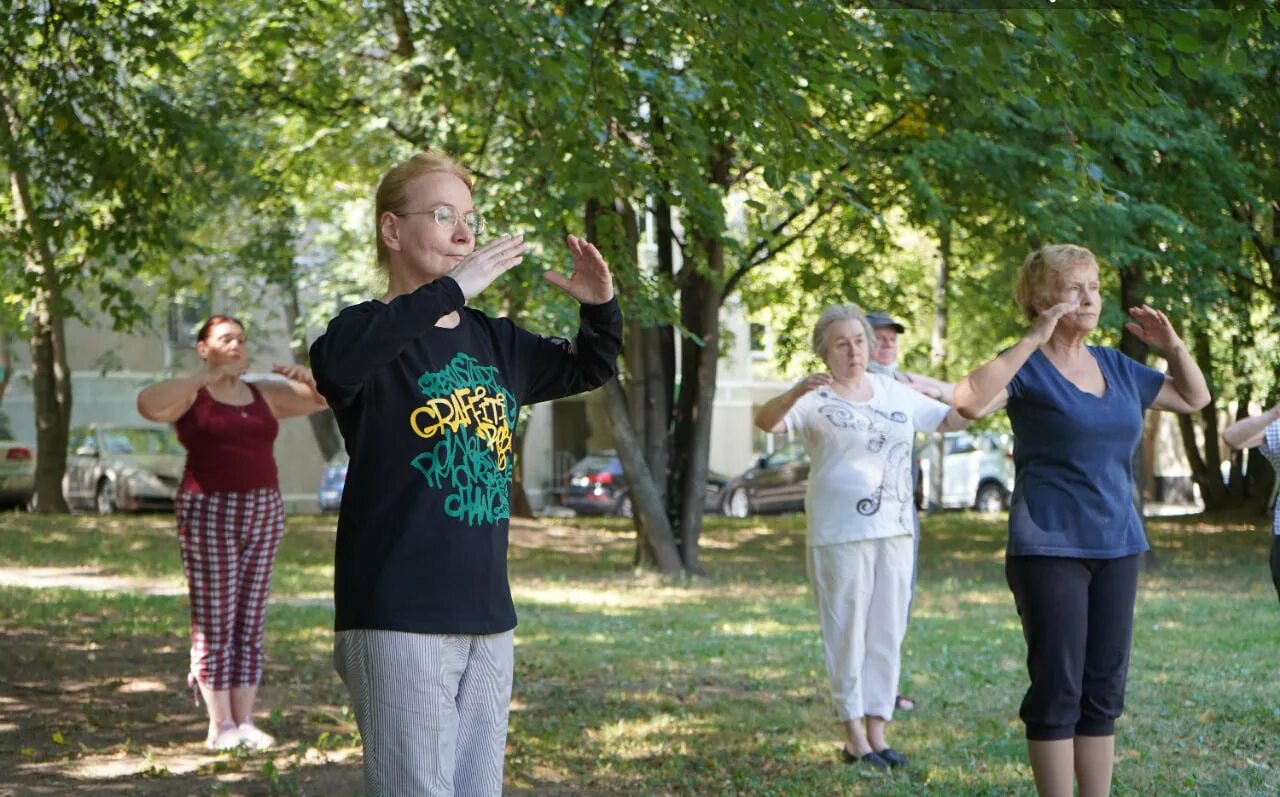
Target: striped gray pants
{"type": "Point", "coordinates": [432, 709]}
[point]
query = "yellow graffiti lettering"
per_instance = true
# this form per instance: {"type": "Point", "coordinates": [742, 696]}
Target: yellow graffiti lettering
{"type": "Point", "coordinates": [466, 408]}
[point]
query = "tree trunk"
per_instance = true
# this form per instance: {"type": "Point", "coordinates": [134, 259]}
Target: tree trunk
{"type": "Point", "coordinates": [51, 385]}
{"type": "Point", "coordinates": [646, 503]}
{"type": "Point", "coordinates": [699, 310]}
{"type": "Point", "coordinates": [6, 361]}
{"type": "Point", "coordinates": [1133, 294]}
{"type": "Point", "coordinates": [324, 427]}
{"type": "Point", "coordinates": [654, 540]}
{"type": "Point", "coordinates": [938, 356]}
{"type": "Point", "coordinates": [51, 376]}
{"type": "Point", "coordinates": [1206, 468]}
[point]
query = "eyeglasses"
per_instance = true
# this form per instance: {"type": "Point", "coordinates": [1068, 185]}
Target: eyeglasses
{"type": "Point", "coordinates": [447, 216]}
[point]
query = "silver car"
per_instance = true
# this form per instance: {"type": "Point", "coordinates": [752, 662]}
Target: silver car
{"type": "Point", "coordinates": [977, 470]}
{"type": "Point", "coordinates": [113, 468]}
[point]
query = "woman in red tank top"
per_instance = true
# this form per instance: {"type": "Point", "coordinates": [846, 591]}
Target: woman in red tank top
{"type": "Point", "coordinates": [230, 515]}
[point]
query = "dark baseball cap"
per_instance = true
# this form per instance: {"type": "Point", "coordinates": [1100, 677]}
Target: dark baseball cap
{"type": "Point", "coordinates": [878, 320]}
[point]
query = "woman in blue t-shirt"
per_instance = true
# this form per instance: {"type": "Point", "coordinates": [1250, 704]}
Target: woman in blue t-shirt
{"type": "Point", "coordinates": [1262, 430]}
{"type": "Point", "coordinates": [1074, 533]}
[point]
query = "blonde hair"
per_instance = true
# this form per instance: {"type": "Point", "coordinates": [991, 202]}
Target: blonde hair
{"type": "Point", "coordinates": [392, 196]}
{"type": "Point", "coordinates": [834, 314]}
{"type": "Point", "coordinates": [1041, 270]}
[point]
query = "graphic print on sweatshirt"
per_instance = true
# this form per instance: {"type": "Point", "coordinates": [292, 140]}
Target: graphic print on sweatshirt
{"type": "Point", "coordinates": [467, 421]}
{"type": "Point", "coordinates": [867, 423]}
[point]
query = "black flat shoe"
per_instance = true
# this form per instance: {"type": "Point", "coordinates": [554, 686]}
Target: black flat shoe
{"type": "Point", "coordinates": [873, 760]}
{"type": "Point", "coordinates": [893, 757]}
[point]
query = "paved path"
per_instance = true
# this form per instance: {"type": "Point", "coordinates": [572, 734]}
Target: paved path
{"type": "Point", "coordinates": [92, 579]}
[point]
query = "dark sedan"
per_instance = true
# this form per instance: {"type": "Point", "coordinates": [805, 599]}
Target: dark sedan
{"type": "Point", "coordinates": [595, 486]}
{"type": "Point", "coordinates": [776, 483]}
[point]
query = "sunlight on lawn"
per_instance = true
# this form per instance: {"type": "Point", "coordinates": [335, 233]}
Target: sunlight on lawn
{"type": "Point", "coordinates": [628, 683]}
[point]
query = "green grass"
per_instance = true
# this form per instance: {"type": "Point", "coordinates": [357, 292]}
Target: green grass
{"type": "Point", "coordinates": [630, 684]}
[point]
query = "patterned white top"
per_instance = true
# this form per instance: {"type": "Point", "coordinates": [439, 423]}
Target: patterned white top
{"type": "Point", "coordinates": [860, 459]}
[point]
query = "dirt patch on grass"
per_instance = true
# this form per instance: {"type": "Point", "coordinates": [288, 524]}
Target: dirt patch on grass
{"type": "Point", "coordinates": [80, 716]}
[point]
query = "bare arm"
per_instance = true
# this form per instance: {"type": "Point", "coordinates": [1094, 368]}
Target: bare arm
{"type": "Point", "coordinates": [986, 389]}
{"type": "Point", "coordinates": [1250, 432]}
{"type": "Point", "coordinates": [935, 389]}
{"type": "Point", "coordinates": [295, 396]}
{"type": "Point", "coordinates": [167, 401]}
{"type": "Point", "coordinates": [1184, 389]}
{"type": "Point", "coordinates": [770, 417]}
{"type": "Point", "coordinates": [954, 422]}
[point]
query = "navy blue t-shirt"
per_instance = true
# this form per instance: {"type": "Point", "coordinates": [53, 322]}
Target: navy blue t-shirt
{"type": "Point", "coordinates": [1073, 451]}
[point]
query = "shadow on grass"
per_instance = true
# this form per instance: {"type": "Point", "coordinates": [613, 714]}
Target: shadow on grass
{"type": "Point", "coordinates": [631, 684]}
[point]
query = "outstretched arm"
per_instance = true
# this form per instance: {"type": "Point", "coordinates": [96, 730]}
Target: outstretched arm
{"type": "Point", "coordinates": [985, 390]}
{"type": "Point", "coordinates": [935, 389]}
{"type": "Point", "coordinates": [1251, 431]}
{"type": "Point", "coordinates": [358, 343]}
{"type": "Point", "coordinates": [295, 396]}
{"type": "Point", "coordinates": [770, 417]}
{"type": "Point", "coordinates": [167, 401]}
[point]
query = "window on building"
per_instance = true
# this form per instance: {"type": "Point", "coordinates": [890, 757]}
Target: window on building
{"type": "Point", "coordinates": [186, 314]}
{"type": "Point", "coordinates": [759, 342]}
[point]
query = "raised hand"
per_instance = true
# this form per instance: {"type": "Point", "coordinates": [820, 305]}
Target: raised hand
{"type": "Point", "coordinates": [297, 373]}
{"type": "Point", "coordinates": [479, 269]}
{"type": "Point", "coordinates": [1153, 328]}
{"type": "Point", "coordinates": [1044, 324]}
{"type": "Point", "coordinates": [811, 383]}
{"type": "Point", "coordinates": [590, 282]}
{"type": "Point", "coordinates": [229, 371]}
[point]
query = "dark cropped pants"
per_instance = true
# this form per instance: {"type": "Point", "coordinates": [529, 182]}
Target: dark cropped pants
{"type": "Point", "coordinates": [1077, 618]}
{"type": "Point", "coordinates": [1275, 562]}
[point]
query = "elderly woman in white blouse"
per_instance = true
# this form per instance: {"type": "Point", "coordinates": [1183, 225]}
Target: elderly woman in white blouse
{"type": "Point", "coordinates": [858, 428]}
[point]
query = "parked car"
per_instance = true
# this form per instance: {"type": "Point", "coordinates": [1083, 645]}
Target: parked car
{"type": "Point", "coordinates": [595, 486]}
{"type": "Point", "coordinates": [335, 476]}
{"type": "Point", "coordinates": [776, 483]}
{"type": "Point", "coordinates": [114, 468]}
{"type": "Point", "coordinates": [977, 471]}
{"type": "Point", "coordinates": [17, 474]}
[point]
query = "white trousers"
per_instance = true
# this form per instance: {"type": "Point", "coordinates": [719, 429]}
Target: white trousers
{"type": "Point", "coordinates": [432, 709]}
{"type": "Point", "coordinates": [862, 591]}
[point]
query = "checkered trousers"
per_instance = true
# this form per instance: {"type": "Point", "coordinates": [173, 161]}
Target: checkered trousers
{"type": "Point", "coordinates": [229, 543]}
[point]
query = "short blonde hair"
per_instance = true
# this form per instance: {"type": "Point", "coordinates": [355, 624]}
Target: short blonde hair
{"type": "Point", "coordinates": [834, 314]}
{"type": "Point", "coordinates": [1039, 273]}
{"type": "Point", "coordinates": [392, 196]}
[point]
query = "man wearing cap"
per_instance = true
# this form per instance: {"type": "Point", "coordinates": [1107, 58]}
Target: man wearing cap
{"type": "Point", "coordinates": [884, 360]}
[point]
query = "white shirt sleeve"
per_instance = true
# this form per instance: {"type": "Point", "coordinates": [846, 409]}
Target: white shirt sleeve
{"type": "Point", "coordinates": [926, 414]}
{"type": "Point", "coordinates": [798, 417]}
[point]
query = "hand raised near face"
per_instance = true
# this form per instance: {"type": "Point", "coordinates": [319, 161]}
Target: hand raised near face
{"type": "Point", "coordinates": [1044, 324]}
{"type": "Point", "coordinates": [590, 281]}
{"type": "Point", "coordinates": [228, 372]}
{"type": "Point", "coordinates": [297, 373]}
{"type": "Point", "coordinates": [811, 383]}
{"type": "Point", "coordinates": [1153, 328]}
{"type": "Point", "coordinates": [479, 269]}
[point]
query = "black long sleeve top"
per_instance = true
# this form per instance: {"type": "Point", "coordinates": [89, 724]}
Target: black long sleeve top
{"type": "Point", "coordinates": [428, 415]}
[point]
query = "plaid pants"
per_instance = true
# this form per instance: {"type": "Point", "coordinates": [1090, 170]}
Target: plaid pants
{"type": "Point", "coordinates": [229, 543]}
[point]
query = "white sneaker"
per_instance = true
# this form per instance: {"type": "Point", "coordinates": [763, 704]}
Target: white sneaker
{"type": "Point", "coordinates": [253, 738]}
{"type": "Point", "coordinates": [227, 739]}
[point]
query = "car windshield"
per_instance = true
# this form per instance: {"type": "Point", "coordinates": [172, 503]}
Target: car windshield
{"type": "Point", "coordinates": [593, 463]}
{"type": "Point", "coordinates": [140, 441]}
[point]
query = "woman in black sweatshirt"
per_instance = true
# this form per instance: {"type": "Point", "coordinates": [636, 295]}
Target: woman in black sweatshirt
{"type": "Point", "coordinates": [426, 392]}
